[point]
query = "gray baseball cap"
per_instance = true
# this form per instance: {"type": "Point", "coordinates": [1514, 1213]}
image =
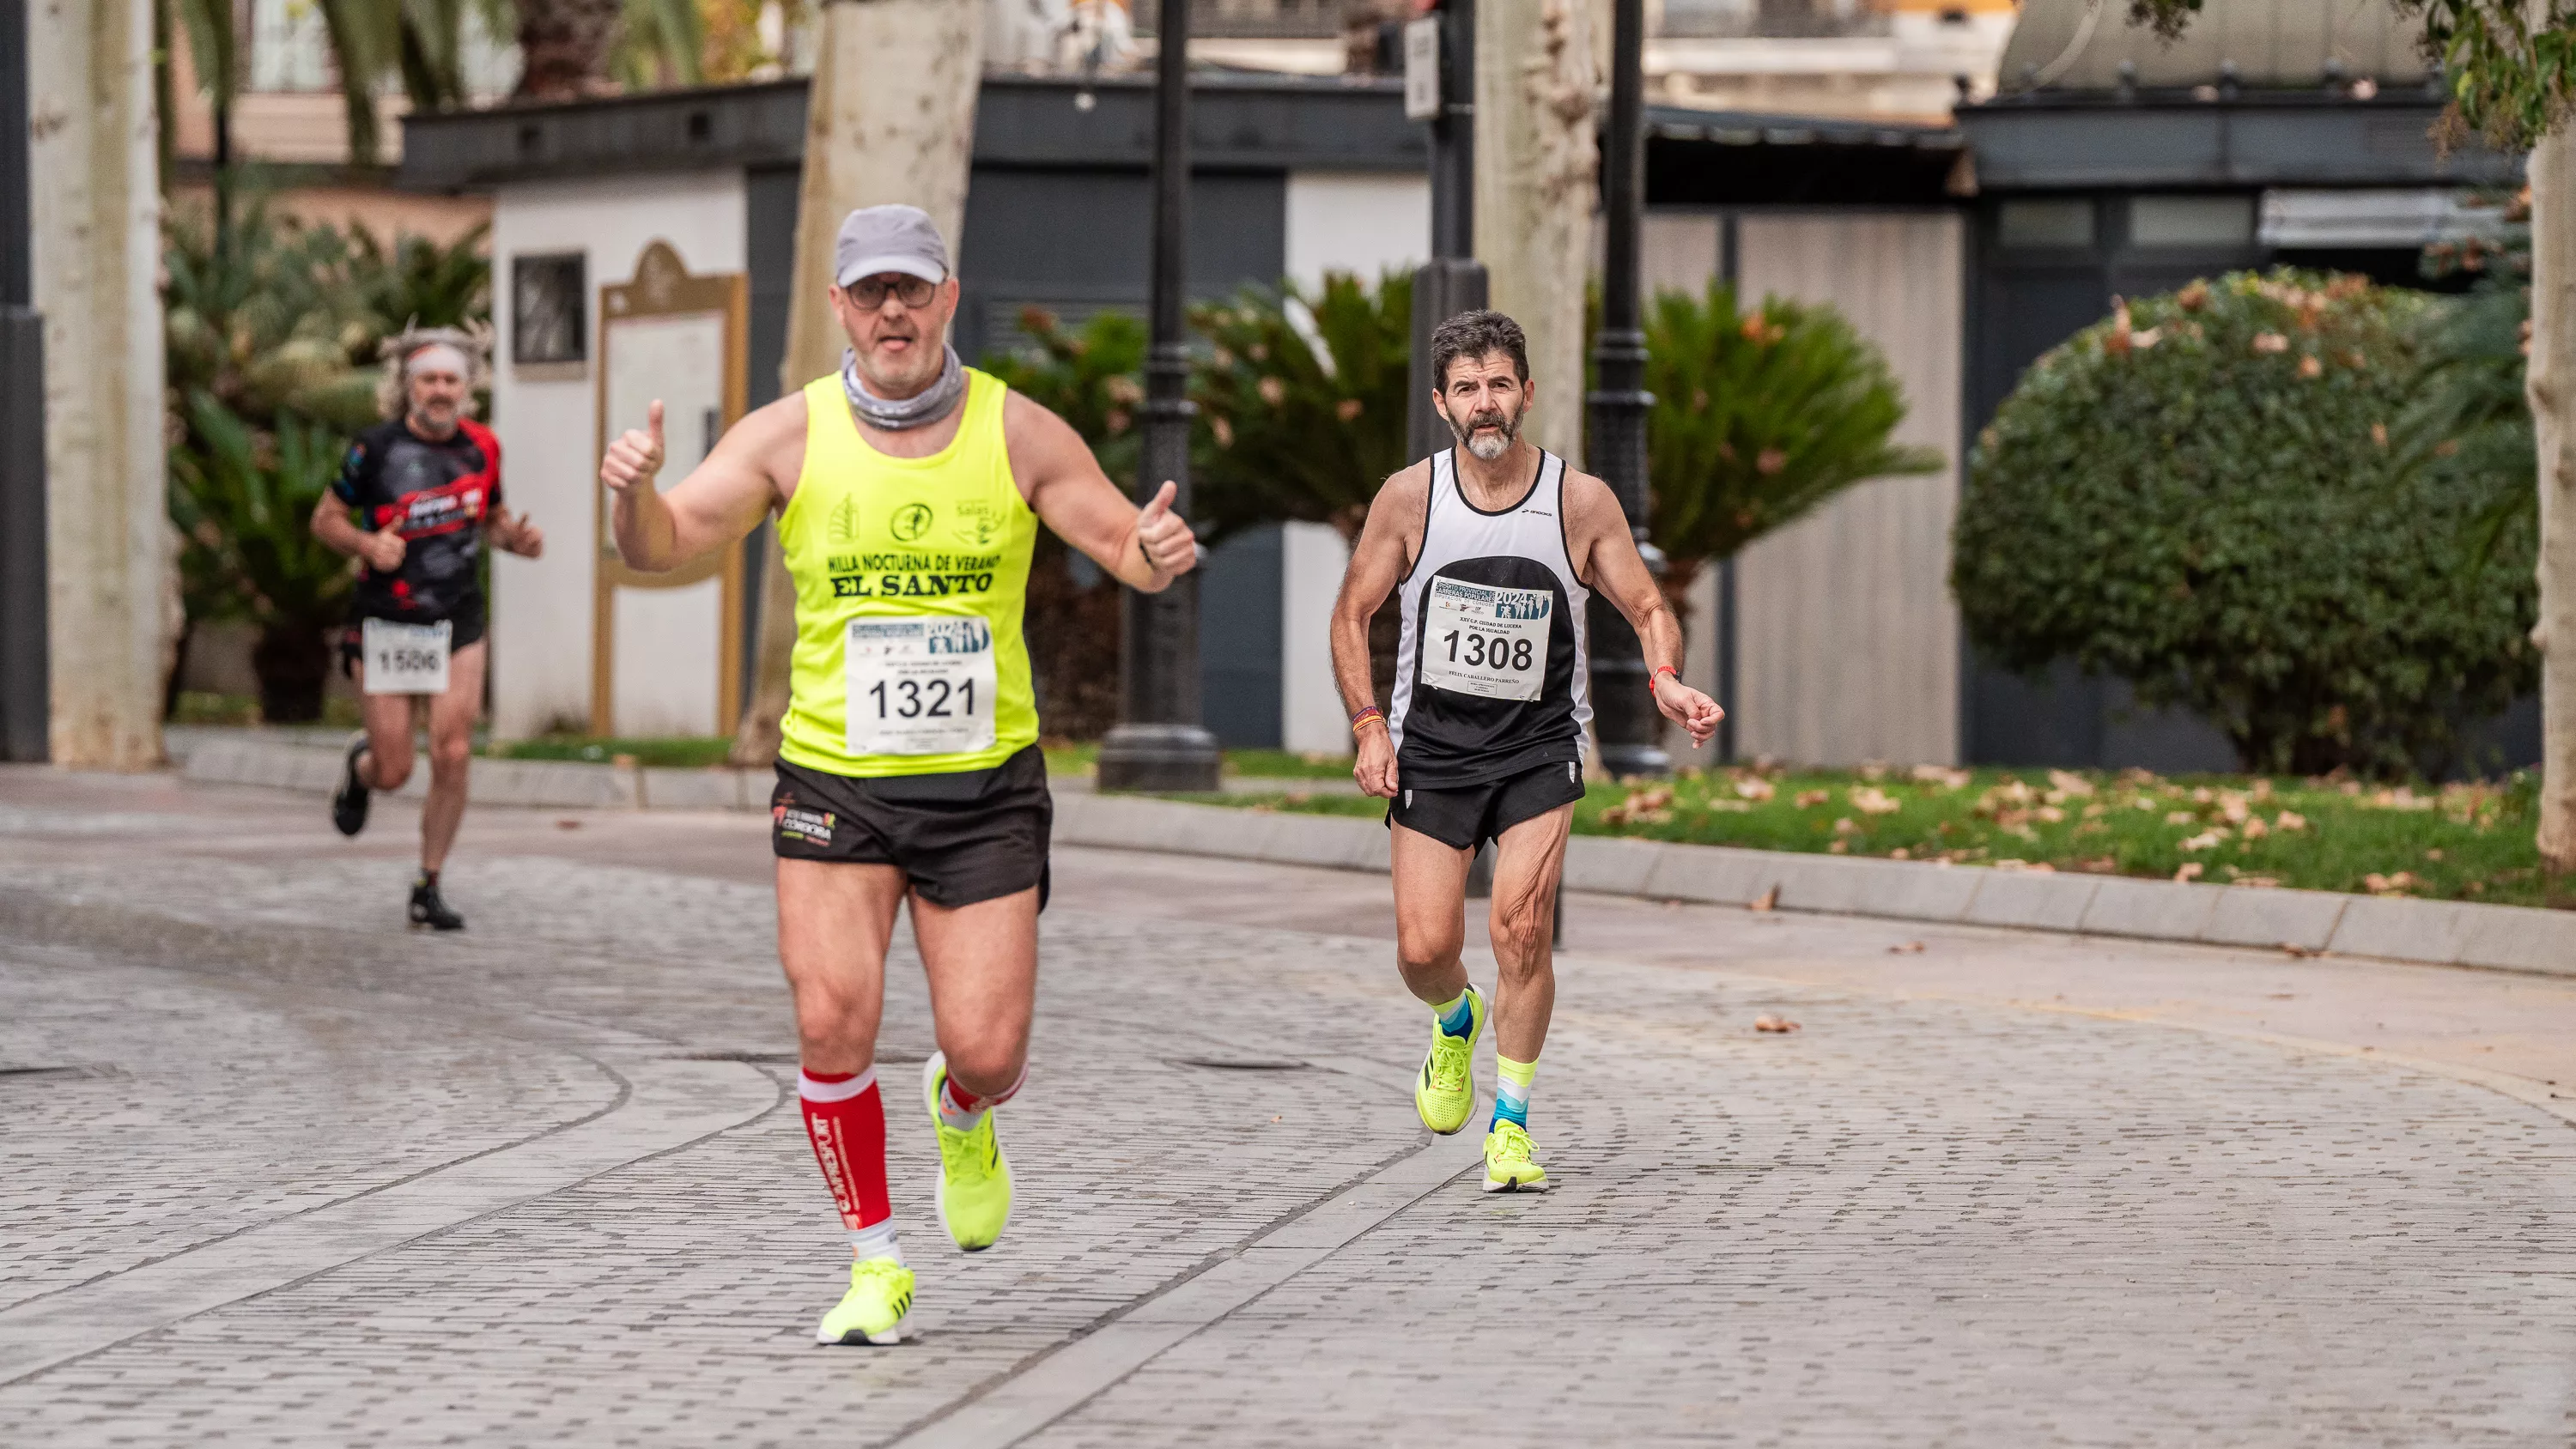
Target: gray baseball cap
{"type": "Point", "coordinates": [878, 239]}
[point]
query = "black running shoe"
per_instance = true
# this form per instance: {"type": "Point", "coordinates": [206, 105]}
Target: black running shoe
{"type": "Point", "coordinates": [427, 909]}
{"type": "Point", "coordinates": [349, 802]}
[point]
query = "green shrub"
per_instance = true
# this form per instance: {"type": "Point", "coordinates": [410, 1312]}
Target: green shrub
{"type": "Point", "coordinates": [2203, 495]}
{"type": "Point", "coordinates": [1302, 401]}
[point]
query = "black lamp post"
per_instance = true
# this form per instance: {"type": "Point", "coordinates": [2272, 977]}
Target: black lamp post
{"type": "Point", "coordinates": [1624, 717]}
{"type": "Point", "coordinates": [1159, 743]}
{"type": "Point", "coordinates": [1453, 281]}
{"type": "Point", "coordinates": [24, 665]}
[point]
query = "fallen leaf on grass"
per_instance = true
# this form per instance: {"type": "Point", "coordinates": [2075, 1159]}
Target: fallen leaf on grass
{"type": "Point", "coordinates": [2290, 820]}
{"type": "Point", "coordinates": [2202, 841]}
{"type": "Point", "coordinates": [1942, 776]}
{"type": "Point", "coordinates": [1764, 901]}
{"type": "Point", "coordinates": [1774, 1023]}
{"type": "Point", "coordinates": [2182, 817]}
{"type": "Point", "coordinates": [1871, 800]}
{"type": "Point", "coordinates": [2188, 870]}
{"type": "Point", "coordinates": [1839, 847]}
{"type": "Point", "coordinates": [2389, 885]}
{"type": "Point", "coordinates": [2072, 784]}
{"type": "Point", "coordinates": [1809, 799]}
{"type": "Point", "coordinates": [1754, 787]}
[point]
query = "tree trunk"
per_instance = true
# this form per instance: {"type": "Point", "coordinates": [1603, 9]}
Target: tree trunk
{"type": "Point", "coordinates": [889, 117]}
{"type": "Point", "coordinates": [1536, 185]}
{"type": "Point", "coordinates": [2552, 375]}
{"type": "Point", "coordinates": [563, 47]}
{"type": "Point", "coordinates": [93, 167]}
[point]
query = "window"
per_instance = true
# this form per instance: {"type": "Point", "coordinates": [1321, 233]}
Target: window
{"type": "Point", "coordinates": [548, 321]}
{"type": "Point", "coordinates": [2052, 223]}
{"type": "Point", "coordinates": [2191, 221]}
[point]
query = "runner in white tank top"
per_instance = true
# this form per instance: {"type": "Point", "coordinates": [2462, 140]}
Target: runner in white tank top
{"type": "Point", "coordinates": [1497, 548]}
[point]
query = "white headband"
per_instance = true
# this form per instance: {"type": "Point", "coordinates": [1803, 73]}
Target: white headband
{"type": "Point", "coordinates": [436, 352]}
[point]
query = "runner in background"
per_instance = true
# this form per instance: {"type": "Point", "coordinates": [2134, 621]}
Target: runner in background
{"type": "Point", "coordinates": [1497, 547]}
{"type": "Point", "coordinates": [414, 499]}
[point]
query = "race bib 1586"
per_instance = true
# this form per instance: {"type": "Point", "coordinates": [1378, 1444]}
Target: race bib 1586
{"type": "Point", "coordinates": [920, 685]}
{"type": "Point", "coordinates": [1486, 639]}
{"type": "Point", "coordinates": [405, 658]}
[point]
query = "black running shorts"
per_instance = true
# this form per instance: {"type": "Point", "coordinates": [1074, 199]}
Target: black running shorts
{"type": "Point", "coordinates": [958, 838]}
{"type": "Point", "coordinates": [1469, 815]}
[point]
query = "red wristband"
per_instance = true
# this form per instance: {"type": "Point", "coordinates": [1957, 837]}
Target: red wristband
{"type": "Point", "coordinates": [1660, 671]}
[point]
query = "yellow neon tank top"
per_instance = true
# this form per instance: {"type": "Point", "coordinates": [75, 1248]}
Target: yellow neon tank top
{"type": "Point", "coordinates": [911, 578]}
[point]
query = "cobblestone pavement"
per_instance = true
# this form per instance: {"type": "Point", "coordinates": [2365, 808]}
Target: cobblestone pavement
{"type": "Point", "coordinates": [274, 1170]}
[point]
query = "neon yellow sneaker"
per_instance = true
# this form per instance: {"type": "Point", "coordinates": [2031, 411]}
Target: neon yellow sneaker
{"type": "Point", "coordinates": [1445, 1093]}
{"type": "Point", "coordinates": [974, 1177]}
{"type": "Point", "coordinates": [877, 1309]}
{"type": "Point", "coordinates": [1507, 1161]}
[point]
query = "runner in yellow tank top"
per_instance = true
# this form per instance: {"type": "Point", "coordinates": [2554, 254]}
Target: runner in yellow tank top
{"type": "Point", "coordinates": [909, 490]}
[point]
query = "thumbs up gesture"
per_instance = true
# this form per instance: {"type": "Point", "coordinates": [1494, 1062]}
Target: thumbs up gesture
{"type": "Point", "coordinates": [635, 456]}
{"type": "Point", "coordinates": [1170, 548]}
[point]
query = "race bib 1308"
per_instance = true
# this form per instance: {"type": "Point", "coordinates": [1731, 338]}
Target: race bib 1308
{"type": "Point", "coordinates": [1486, 639]}
{"type": "Point", "coordinates": [920, 685]}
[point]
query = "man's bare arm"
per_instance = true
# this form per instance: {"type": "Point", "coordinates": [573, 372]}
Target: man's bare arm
{"type": "Point", "coordinates": [722, 499]}
{"type": "Point", "coordinates": [1145, 549]}
{"type": "Point", "coordinates": [1610, 565]}
{"type": "Point", "coordinates": [1378, 563]}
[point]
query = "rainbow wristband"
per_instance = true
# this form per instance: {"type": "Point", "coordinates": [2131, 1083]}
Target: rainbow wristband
{"type": "Point", "coordinates": [1364, 715]}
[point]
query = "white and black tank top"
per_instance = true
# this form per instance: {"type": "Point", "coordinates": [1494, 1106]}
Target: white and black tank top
{"type": "Point", "coordinates": [1490, 674]}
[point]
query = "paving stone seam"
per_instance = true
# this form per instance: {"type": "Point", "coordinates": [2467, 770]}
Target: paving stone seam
{"type": "Point", "coordinates": [17, 1369]}
{"type": "Point", "coordinates": [1048, 1386]}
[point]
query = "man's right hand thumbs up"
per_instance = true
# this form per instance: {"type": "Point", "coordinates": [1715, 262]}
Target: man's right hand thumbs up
{"type": "Point", "coordinates": [635, 456]}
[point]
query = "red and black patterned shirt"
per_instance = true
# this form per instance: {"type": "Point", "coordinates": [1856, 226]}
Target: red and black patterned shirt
{"type": "Point", "coordinates": [436, 493]}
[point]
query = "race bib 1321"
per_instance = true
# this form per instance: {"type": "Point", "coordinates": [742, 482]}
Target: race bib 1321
{"type": "Point", "coordinates": [921, 684]}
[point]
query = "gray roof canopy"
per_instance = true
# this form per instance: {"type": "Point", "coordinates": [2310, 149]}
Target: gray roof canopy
{"type": "Point", "coordinates": [2079, 45]}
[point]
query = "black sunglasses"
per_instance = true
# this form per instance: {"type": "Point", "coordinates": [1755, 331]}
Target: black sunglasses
{"type": "Point", "coordinates": [870, 292]}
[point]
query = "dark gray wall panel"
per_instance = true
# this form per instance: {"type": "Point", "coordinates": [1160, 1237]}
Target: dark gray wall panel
{"type": "Point", "coordinates": [1239, 633]}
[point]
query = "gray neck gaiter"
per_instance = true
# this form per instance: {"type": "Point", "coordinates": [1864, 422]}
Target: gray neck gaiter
{"type": "Point", "coordinates": [928, 406]}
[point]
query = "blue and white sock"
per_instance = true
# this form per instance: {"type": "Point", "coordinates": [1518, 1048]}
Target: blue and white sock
{"type": "Point", "coordinates": [1458, 1017]}
{"type": "Point", "coordinates": [1512, 1091]}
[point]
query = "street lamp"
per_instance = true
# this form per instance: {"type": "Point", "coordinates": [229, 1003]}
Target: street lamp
{"type": "Point", "coordinates": [1158, 743]}
{"type": "Point", "coordinates": [1440, 87]}
{"type": "Point", "coordinates": [24, 665]}
{"type": "Point", "coordinates": [1624, 717]}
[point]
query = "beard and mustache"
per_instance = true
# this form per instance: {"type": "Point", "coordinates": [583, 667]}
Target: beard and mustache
{"type": "Point", "coordinates": [1487, 445]}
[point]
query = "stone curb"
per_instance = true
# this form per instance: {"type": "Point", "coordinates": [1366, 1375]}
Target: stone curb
{"type": "Point", "coordinates": [2445, 933]}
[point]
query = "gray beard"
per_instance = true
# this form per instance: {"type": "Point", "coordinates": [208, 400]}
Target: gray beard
{"type": "Point", "coordinates": [1487, 449]}
{"type": "Point", "coordinates": [920, 410]}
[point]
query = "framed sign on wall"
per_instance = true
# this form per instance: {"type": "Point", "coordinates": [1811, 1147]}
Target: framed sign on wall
{"type": "Point", "coordinates": [666, 655]}
{"type": "Point", "coordinates": [547, 303]}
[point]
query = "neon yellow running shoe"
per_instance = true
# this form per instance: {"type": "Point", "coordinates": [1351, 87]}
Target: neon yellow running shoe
{"type": "Point", "coordinates": [974, 1177]}
{"type": "Point", "coordinates": [1445, 1093]}
{"type": "Point", "coordinates": [877, 1309]}
{"type": "Point", "coordinates": [1508, 1167]}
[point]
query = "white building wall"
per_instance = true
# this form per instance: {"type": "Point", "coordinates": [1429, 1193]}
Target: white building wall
{"type": "Point", "coordinates": [1356, 221]}
{"type": "Point", "coordinates": [1360, 222]}
{"type": "Point", "coordinates": [547, 419]}
{"type": "Point", "coordinates": [1312, 557]}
